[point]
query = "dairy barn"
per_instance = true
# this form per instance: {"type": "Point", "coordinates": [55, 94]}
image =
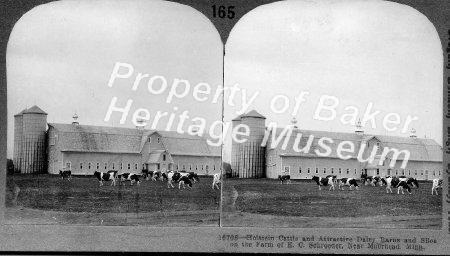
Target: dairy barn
{"type": "Point", "coordinates": [41, 147]}
{"type": "Point", "coordinates": [251, 160]}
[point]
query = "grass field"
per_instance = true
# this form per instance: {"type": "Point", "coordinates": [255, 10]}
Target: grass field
{"type": "Point", "coordinates": [46, 199]}
{"type": "Point", "coordinates": [267, 203]}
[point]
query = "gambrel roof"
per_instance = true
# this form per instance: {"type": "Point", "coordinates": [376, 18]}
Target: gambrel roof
{"type": "Point", "coordinates": [89, 138]}
{"type": "Point", "coordinates": [420, 149]}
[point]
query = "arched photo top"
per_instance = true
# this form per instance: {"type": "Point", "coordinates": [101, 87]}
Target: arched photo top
{"type": "Point", "coordinates": [359, 52]}
{"type": "Point", "coordinates": [61, 56]}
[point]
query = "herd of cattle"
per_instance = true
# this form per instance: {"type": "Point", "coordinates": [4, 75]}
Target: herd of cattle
{"type": "Point", "coordinates": [183, 178]}
{"type": "Point", "coordinates": [400, 183]}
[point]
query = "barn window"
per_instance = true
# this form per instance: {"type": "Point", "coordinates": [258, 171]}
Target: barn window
{"type": "Point", "coordinates": [121, 166]}
{"type": "Point", "coordinates": [415, 172]}
{"type": "Point", "coordinates": [426, 173]}
{"type": "Point", "coordinates": [89, 166]}
{"type": "Point", "coordinates": [409, 172]}
{"type": "Point", "coordinates": [214, 166]}
{"type": "Point", "coordinates": [190, 167]}
{"type": "Point", "coordinates": [202, 166]}
{"type": "Point", "coordinates": [164, 157]}
{"type": "Point", "coordinates": [355, 171]}
{"type": "Point", "coordinates": [270, 159]}
{"type": "Point", "coordinates": [403, 172]}
{"type": "Point", "coordinates": [143, 166]}
{"type": "Point", "coordinates": [317, 170]}
{"type": "Point", "coordinates": [309, 170]}
{"type": "Point", "coordinates": [81, 166]}
{"type": "Point", "coordinates": [149, 139]}
{"type": "Point", "coordinates": [178, 166]}
{"type": "Point", "coordinates": [206, 167]}
{"type": "Point", "coordinates": [299, 169]}
{"type": "Point", "coordinates": [378, 171]}
{"type": "Point", "coordinates": [348, 171]}
{"type": "Point", "coordinates": [113, 166]}
{"type": "Point", "coordinates": [106, 166]}
{"type": "Point", "coordinates": [421, 172]}
{"type": "Point", "coordinates": [434, 173]}
{"type": "Point", "coordinates": [287, 169]}
{"type": "Point", "coordinates": [158, 166]}
{"type": "Point", "coordinates": [68, 166]}
{"type": "Point", "coordinates": [98, 166]}
{"type": "Point", "coordinates": [362, 171]}
{"type": "Point", "coordinates": [136, 166]}
{"type": "Point", "coordinates": [196, 167]}
{"type": "Point", "coordinates": [332, 170]}
{"type": "Point", "coordinates": [439, 173]}
{"type": "Point", "coordinates": [340, 170]}
{"type": "Point", "coordinates": [184, 167]}
{"type": "Point", "coordinates": [128, 166]}
{"type": "Point", "coordinates": [324, 170]}
{"type": "Point", "coordinates": [158, 140]}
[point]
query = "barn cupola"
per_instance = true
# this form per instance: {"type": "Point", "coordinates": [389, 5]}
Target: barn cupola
{"type": "Point", "coordinates": [75, 119]}
{"type": "Point", "coordinates": [359, 131]}
{"type": "Point", "coordinates": [140, 122]}
{"type": "Point", "coordinates": [294, 123]}
{"type": "Point", "coordinates": [413, 134]}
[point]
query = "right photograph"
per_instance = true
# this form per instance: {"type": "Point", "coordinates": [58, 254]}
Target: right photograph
{"type": "Point", "coordinates": [336, 117]}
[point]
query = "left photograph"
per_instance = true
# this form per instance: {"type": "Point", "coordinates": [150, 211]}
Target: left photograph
{"type": "Point", "coordinates": [114, 115]}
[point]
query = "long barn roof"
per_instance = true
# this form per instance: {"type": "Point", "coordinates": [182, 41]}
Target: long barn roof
{"type": "Point", "coordinates": [420, 149]}
{"type": "Point", "coordinates": [89, 138]}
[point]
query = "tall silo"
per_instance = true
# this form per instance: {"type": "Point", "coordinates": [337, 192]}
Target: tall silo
{"type": "Point", "coordinates": [33, 140]}
{"type": "Point", "coordinates": [18, 138]}
{"type": "Point", "coordinates": [235, 150]}
{"type": "Point", "coordinates": [251, 154]}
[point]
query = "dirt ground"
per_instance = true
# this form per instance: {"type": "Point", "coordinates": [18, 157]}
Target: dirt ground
{"type": "Point", "coordinates": [266, 203]}
{"type": "Point", "coordinates": [46, 199]}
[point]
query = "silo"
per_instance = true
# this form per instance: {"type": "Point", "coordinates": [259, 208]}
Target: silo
{"type": "Point", "coordinates": [33, 140]}
{"type": "Point", "coordinates": [235, 150]}
{"type": "Point", "coordinates": [18, 138]}
{"type": "Point", "coordinates": [252, 155]}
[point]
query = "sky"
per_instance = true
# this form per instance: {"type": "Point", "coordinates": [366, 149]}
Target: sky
{"type": "Point", "coordinates": [357, 51]}
{"type": "Point", "coordinates": [61, 55]}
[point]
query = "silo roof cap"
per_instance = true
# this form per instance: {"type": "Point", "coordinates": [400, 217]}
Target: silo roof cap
{"type": "Point", "coordinates": [254, 114]}
{"type": "Point", "coordinates": [238, 118]}
{"type": "Point", "coordinates": [20, 113]}
{"type": "Point", "coordinates": [34, 110]}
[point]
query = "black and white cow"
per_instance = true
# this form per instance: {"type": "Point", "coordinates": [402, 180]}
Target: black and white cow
{"type": "Point", "coordinates": [403, 185]}
{"type": "Point", "coordinates": [184, 180]}
{"type": "Point", "coordinates": [216, 181]}
{"type": "Point", "coordinates": [324, 182]}
{"type": "Point", "coordinates": [410, 181]}
{"type": "Point", "coordinates": [131, 177]}
{"type": "Point", "coordinates": [350, 182]}
{"type": "Point", "coordinates": [437, 183]}
{"type": "Point", "coordinates": [65, 174]}
{"type": "Point", "coordinates": [333, 178]}
{"type": "Point", "coordinates": [106, 176]}
{"type": "Point", "coordinates": [284, 178]}
{"type": "Point", "coordinates": [171, 177]}
{"type": "Point", "coordinates": [372, 180]}
{"type": "Point", "coordinates": [191, 175]}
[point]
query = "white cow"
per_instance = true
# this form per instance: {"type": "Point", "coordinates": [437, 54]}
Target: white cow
{"type": "Point", "coordinates": [437, 183]}
{"type": "Point", "coordinates": [217, 181]}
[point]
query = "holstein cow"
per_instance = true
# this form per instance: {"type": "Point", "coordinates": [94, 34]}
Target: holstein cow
{"type": "Point", "coordinates": [191, 175]}
{"type": "Point", "coordinates": [410, 181]}
{"type": "Point", "coordinates": [324, 182]}
{"type": "Point", "coordinates": [102, 176]}
{"type": "Point", "coordinates": [170, 177]}
{"type": "Point", "coordinates": [286, 178]}
{"type": "Point", "coordinates": [372, 180]}
{"type": "Point", "coordinates": [437, 183]}
{"type": "Point", "coordinates": [65, 174]}
{"type": "Point", "coordinates": [216, 181]}
{"type": "Point", "coordinates": [350, 182]}
{"type": "Point", "coordinates": [184, 180]}
{"type": "Point", "coordinates": [131, 177]}
{"type": "Point", "coordinates": [403, 185]}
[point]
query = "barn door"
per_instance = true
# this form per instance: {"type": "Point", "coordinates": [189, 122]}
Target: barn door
{"type": "Point", "coordinates": [68, 166]}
